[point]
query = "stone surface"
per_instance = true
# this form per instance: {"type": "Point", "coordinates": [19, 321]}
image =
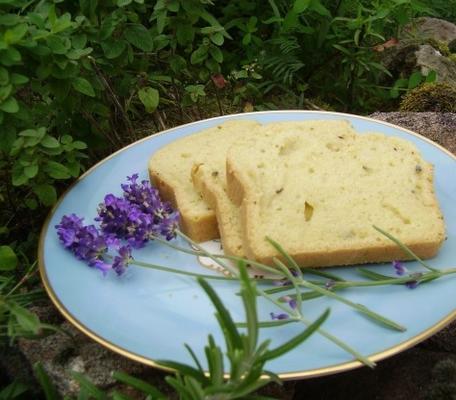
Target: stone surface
{"type": "Point", "coordinates": [429, 59]}
{"type": "Point", "coordinates": [427, 27]}
{"type": "Point", "coordinates": [439, 127]}
{"type": "Point", "coordinates": [402, 377]}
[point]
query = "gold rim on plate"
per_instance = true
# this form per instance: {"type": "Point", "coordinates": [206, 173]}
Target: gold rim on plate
{"type": "Point", "coordinates": [335, 368]}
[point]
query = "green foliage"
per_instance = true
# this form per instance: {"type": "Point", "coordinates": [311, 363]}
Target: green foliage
{"type": "Point", "coordinates": [247, 357]}
{"type": "Point", "coordinates": [410, 83]}
{"type": "Point", "coordinates": [15, 390]}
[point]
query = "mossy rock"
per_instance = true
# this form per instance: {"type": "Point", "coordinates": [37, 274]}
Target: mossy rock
{"type": "Point", "coordinates": [437, 97]}
{"type": "Point", "coordinates": [452, 46]}
{"type": "Point", "coordinates": [439, 45]}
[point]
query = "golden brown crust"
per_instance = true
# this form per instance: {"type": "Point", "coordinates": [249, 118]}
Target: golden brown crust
{"type": "Point", "coordinates": [229, 247]}
{"type": "Point", "coordinates": [375, 254]}
{"type": "Point", "coordinates": [199, 229]}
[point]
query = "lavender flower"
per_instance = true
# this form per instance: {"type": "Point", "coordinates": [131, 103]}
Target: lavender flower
{"type": "Point", "coordinates": [85, 242]}
{"type": "Point", "coordinates": [400, 268]}
{"type": "Point", "coordinates": [291, 302]}
{"type": "Point", "coordinates": [147, 198]}
{"type": "Point", "coordinates": [413, 283]}
{"type": "Point", "coordinates": [279, 316]}
{"type": "Point", "coordinates": [137, 217]}
{"type": "Point", "coordinates": [119, 217]}
{"type": "Point", "coordinates": [122, 260]}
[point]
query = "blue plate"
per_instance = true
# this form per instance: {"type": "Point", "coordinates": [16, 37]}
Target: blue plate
{"type": "Point", "coordinates": [148, 315]}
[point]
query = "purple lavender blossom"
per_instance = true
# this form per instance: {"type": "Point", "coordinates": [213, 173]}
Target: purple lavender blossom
{"type": "Point", "coordinates": [147, 198]}
{"type": "Point", "coordinates": [399, 267]}
{"type": "Point", "coordinates": [122, 260]}
{"type": "Point", "coordinates": [279, 316]}
{"type": "Point", "coordinates": [413, 283]}
{"type": "Point", "coordinates": [119, 217]}
{"type": "Point", "coordinates": [401, 270]}
{"type": "Point", "coordinates": [85, 242]}
{"type": "Point", "coordinates": [291, 302]}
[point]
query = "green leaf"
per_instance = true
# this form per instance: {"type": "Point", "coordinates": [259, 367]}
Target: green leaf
{"type": "Point", "coordinates": [297, 340]}
{"type": "Point", "coordinates": [139, 36]}
{"type": "Point", "coordinates": [10, 105]}
{"type": "Point", "coordinates": [177, 64]}
{"type": "Point", "coordinates": [18, 79]}
{"type": "Point", "coordinates": [50, 392]}
{"type": "Point", "coordinates": [46, 194]}
{"type": "Point", "coordinates": [5, 91]}
{"type": "Point", "coordinates": [57, 170]}
{"type": "Point", "coordinates": [8, 259]}
{"type": "Point", "coordinates": [123, 3]}
{"type": "Point", "coordinates": [342, 49]}
{"type": "Point", "coordinates": [50, 142]}
{"type": "Point", "coordinates": [13, 391]}
{"type": "Point", "coordinates": [372, 275]}
{"type": "Point", "coordinates": [199, 55]}
{"type": "Point", "coordinates": [76, 54]}
{"type": "Point", "coordinates": [217, 38]}
{"type": "Point", "coordinates": [79, 41]}
{"type": "Point", "coordinates": [300, 6]}
{"type": "Point", "coordinates": [138, 384]}
{"type": "Point", "coordinates": [79, 145]}
{"type": "Point", "coordinates": [185, 370]}
{"type": "Point", "coordinates": [232, 336]}
{"type": "Point", "coordinates": [4, 76]}
{"type": "Point", "coordinates": [25, 318]}
{"type": "Point", "coordinates": [316, 6]}
{"type": "Point", "coordinates": [216, 54]}
{"type": "Point", "coordinates": [12, 36]}
{"type": "Point", "coordinates": [10, 56]}
{"type": "Point", "coordinates": [161, 20]}
{"type": "Point", "coordinates": [150, 98]}
{"type": "Point", "coordinates": [247, 39]}
{"type": "Point", "coordinates": [431, 76]}
{"type": "Point", "coordinates": [113, 48]}
{"type": "Point", "coordinates": [10, 19]}
{"type": "Point", "coordinates": [83, 86]}
{"type": "Point", "coordinates": [88, 386]}
{"type": "Point", "coordinates": [57, 45]}
{"type": "Point", "coordinates": [30, 171]}
{"type": "Point", "coordinates": [290, 21]}
{"type": "Point", "coordinates": [415, 79]}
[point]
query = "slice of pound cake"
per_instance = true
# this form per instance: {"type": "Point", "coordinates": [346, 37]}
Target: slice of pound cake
{"type": "Point", "coordinates": [210, 178]}
{"type": "Point", "coordinates": [319, 197]}
{"type": "Point", "coordinates": [170, 171]}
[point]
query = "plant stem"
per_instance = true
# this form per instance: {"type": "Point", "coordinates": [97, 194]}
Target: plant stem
{"type": "Point", "coordinates": [405, 248]}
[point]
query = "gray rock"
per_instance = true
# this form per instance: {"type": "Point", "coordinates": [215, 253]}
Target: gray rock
{"type": "Point", "coordinates": [429, 59]}
{"type": "Point", "coordinates": [439, 127]}
{"type": "Point", "coordinates": [430, 28]}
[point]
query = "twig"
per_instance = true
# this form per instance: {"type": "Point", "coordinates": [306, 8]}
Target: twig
{"type": "Point", "coordinates": [114, 98]}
